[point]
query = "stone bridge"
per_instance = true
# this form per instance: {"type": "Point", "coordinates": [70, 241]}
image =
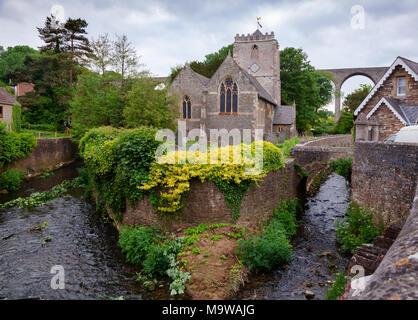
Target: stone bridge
{"type": "Point", "coordinates": [341, 75]}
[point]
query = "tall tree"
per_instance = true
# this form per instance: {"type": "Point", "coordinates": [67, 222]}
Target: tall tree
{"type": "Point", "coordinates": [354, 99]}
{"type": "Point", "coordinates": [301, 84]}
{"type": "Point", "coordinates": [124, 57]}
{"type": "Point", "coordinates": [53, 34]}
{"type": "Point", "coordinates": [77, 44]}
{"type": "Point", "coordinates": [12, 64]}
{"type": "Point", "coordinates": [102, 52]}
{"type": "Point", "coordinates": [97, 101]}
{"type": "Point", "coordinates": [147, 106]}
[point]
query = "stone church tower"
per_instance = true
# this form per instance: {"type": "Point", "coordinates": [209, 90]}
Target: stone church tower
{"type": "Point", "coordinates": [259, 55]}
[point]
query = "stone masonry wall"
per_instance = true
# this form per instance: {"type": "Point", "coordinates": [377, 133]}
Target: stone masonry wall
{"type": "Point", "coordinates": [206, 204]}
{"type": "Point", "coordinates": [48, 154]}
{"type": "Point", "coordinates": [396, 278]}
{"type": "Point", "coordinates": [384, 178]}
{"type": "Point", "coordinates": [324, 149]}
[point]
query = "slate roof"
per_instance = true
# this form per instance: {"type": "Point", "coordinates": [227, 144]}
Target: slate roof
{"type": "Point", "coordinates": [407, 114]}
{"type": "Point", "coordinates": [284, 115]}
{"type": "Point", "coordinates": [262, 93]}
{"type": "Point", "coordinates": [410, 66]}
{"type": "Point", "coordinates": [7, 98]}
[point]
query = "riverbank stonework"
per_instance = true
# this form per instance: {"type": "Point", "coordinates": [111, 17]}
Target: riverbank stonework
{"type": "Point", "coordinates": [49, 154]}
{"type": "Point", "coordinates": [205, 203]}
{"type": "Point", "coordinates": [385, 178]}
{"type": "Point", "coordinates": [396, 277]}
{"type": "Point", "coordinates": [323, 149]}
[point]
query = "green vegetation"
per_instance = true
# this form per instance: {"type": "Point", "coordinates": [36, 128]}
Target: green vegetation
{"type": "Point", "coordinates": [345, 124]}
{"type": "Point", "coordinates": [156, 252]}
{"type": "Point", "coordinates": [343, 167]}
{"type": "Point", "coordinates": [13, 145]}
{"type": "Point", "coordinates": [338, 286]}
{"type": "Point", "coordinates": [357, 228]}
{"type": "Point", "coordinates": [118, 161]}
{"type": "Point", "coordinates": [271, 248]}
{"type": "Point", "coordinates": [10, 180]}
{"type": "Point", "coordinates": [39, 198]}
{"type": "Point", "coordinates": [354, 99]}
{"type": "Point", "coordinates": [16, 118]}
{"type": "Point", "coordinates": [208, 67]}
{"type": "Point", "coordinates": [303, 85]}
{"type": "Point", "coordinates": [287, 145]}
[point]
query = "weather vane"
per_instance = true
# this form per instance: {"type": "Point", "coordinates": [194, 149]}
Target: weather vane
{"type": "Point", "coordinates": [258, 23]}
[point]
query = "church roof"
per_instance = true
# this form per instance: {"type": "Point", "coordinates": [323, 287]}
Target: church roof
{"type": "Point", "coordinates": [7, 98]}
{"type": "Point", "coordinates": [284, 115]}
{"type": "Point", "coordinates": [262, 93]}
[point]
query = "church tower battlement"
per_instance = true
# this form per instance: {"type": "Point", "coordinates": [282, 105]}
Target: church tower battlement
{"type": "Point", "coordinates": [259, 55]}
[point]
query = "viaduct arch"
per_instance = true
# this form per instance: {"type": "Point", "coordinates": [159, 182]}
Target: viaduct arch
{"type": "Point", "coordinates": [341, 75]}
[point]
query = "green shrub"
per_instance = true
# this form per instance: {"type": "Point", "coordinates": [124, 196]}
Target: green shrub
{"type": "Point", "coordinates": [135, 242]}
{"type": "Point", "coordinates": [156, 261]}
{"type": "Point", "coordinates": [287, 145]}
{"type": "Point", "coordinates": [271, 248]}
{"type": "Point", "coordinates": [357, 228]}
{"type": "Point", "coordinates": [16, 118]}
{"type": "Point", "coordinates": [266, 252]}
{"type": "Point", "coordinates": [11, 180]}
{"type": "Point", "coordinates": [343, 167]}
{"type": "Point", "coordinates": [13, 145]}
{"type": "Point", "coordinates": [285, 214]}
{"type": "Point", "coordinates": [118, 161]}
{"type": "Point", "coordinates": [338, 287]}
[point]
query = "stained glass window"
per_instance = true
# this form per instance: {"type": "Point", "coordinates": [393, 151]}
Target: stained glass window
{"type": "Point", "coordinates": [228, 96]}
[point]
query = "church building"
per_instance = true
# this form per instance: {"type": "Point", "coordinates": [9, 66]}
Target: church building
{"type": "Point", "coordinates": [244, 93]}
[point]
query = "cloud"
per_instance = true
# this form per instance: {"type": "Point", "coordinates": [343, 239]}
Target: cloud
{"type": "Point", "coordinates": [166, 32]}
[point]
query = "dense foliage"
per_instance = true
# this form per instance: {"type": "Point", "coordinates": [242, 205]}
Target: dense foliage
{"type": "Point", "coordinates": [354, 99]}
{"type": "Point", "coordinates": [302, 85]}
{"type": "Point", "coordinates": [343, 167]}
{"type": "Point", "coordinates": [16, 118]}
{"type": "Point", "coordinates": [287, 145]}
{"type": "Point", "coordinates": [12, 62]}
{"type": "Point", "coordinates": [174, 180]}
{"type": "Point", "coordinates": [13, 145]}
{"type": "Point", "coordinates": [357, 228]}
{"type": "Point", "coordinates": [345, 124]}
{"type": "Point", "coordinates": [156, 252]}
{"type": "Point", "coordinates": [271, 248]}
{"type": "Point", "coordinates": [10, 180]}
{"type": "Point", "coordinates": [209, 66]}
{"type": "Point", "coordinates": [118, 161]}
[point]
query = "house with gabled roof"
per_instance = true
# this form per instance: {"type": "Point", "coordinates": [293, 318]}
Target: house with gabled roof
{"type": "Point", "coordinates": [7, 101]}
{"type": "Point", "coordinates": [243, 93]}
{"type": "Point", "coordinates": [391, 104]}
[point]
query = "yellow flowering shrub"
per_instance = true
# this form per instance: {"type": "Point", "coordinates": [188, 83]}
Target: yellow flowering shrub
{"type": "Point", "coordinates": [173, 179]}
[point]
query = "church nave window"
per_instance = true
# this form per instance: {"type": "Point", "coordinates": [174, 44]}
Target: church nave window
{"type": "Point", "coordinates": [187, 108]}
{"type": "Point", "coordinates": [228, 96]}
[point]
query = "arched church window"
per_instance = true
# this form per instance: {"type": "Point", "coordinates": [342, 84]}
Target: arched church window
{"type": "Point", "coordinates": [187, 108]}
{"type": "Point", "coordinates": [254, 52]}
{"type": "Point", "coordinates": [228, 96]}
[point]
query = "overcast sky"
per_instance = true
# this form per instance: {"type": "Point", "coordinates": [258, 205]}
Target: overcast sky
{"type": "Point", "coordinates": [169, 32]}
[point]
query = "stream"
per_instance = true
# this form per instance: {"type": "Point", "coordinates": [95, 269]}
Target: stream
{"type": "Point", "coordinates": [86, 247]}
{"type": "Point", "coordinates": [315, 254]}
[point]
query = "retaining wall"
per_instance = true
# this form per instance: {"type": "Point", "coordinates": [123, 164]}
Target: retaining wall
{"type": "Point", "coordinates": [385, 178]}
{"type": "Point", "coordinates": [205, 203]}
{"type": "Point", "coordinates": [48, 154]}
